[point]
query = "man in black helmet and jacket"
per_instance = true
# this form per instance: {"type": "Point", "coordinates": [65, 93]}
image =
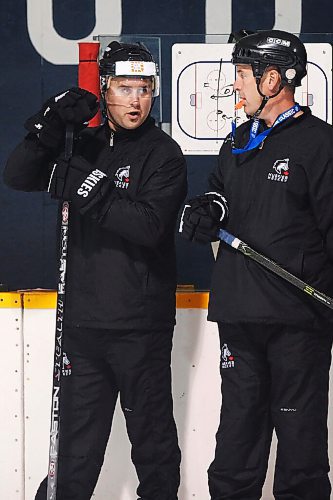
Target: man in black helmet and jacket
{"type": "Point", "coordinates": [125, 183]}
{"type": "Point", "coordinates": [273, 188]}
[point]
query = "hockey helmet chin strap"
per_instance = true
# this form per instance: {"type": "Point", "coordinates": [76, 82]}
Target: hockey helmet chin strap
{"type": "Point", "coordinates": [265, 98]}
{"type": "Point", "coordinates": [106, 112]}
{"type": "Point", "coordinates": [257, 138]}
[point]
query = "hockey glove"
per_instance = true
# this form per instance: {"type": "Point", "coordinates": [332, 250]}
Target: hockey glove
{"type": "Point", "coordinates": [77, 181]}
{"type": "Point", "coordinates": [76, 106]}
{"type": "Point", "coordinates": [203, 216]}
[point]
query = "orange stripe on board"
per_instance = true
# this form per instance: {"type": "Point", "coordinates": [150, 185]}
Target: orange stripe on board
{"type": "Point", "coordinates": [192, 300]}
{"type": "Point", "coordinates": [10, 300]}
{"type": "Point", "coordinates": [39, 299]}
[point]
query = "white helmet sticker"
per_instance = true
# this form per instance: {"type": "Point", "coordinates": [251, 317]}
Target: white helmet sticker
{"type": "Point", "coordinates": [133, 68]}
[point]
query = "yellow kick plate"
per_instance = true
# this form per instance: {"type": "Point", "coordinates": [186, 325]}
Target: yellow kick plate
{"type": "Point", "coordinates": [10, 300]}
{"type": "Point", "coordinates": [35, 299]}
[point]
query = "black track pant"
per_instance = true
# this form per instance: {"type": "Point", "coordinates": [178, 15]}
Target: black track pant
{"type": "Point", "coordinates": [135, 364]}
{"type": "Point", "coordinates": [272, 377]}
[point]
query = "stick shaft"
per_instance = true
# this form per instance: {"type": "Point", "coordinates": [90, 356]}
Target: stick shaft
{"type": "Point", "coordinates": [242, 247]}
{"type": "Point", "coordinates": [58, 350]}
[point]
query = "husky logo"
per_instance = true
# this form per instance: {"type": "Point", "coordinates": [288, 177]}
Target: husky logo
{"type": "Point", "coordinates": [227, 359]}
{"type": "Point", "coordinates": [281, 167]}
{"type": "Point", "coordinates": [66, 365]}
{"type": "Point", "coordinates": [123, 177]}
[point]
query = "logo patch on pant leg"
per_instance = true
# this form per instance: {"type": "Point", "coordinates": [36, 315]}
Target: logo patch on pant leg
{"type": "Point", "coordinates": [66, 365]}
{"type": "Point", "coordinates": [227, 359]}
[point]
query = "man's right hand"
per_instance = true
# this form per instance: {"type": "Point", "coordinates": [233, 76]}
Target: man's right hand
{"type": "Point", "coordinates": [203, 216]}
{"type": "Point", "coordinates": [76, 106]}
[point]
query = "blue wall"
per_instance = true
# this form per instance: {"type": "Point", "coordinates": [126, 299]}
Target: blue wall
{"type": "Point", "coordinates": [28, 234]}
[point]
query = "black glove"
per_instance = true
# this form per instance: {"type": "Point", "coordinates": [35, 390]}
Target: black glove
{"type": "Point", "coordinates": [203, 216]}
{"type": "Point", "coordinates": [77, 181]}
{"type": "Point", "coordinates": [76, 106]}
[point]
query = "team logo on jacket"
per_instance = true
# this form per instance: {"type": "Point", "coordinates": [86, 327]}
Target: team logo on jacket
{"type": "Point", "coordinates": [123, 177]}
{"type": "Point", "coordinates": [66, 365]}
{"type": "Point", "coordinates": [281, 171]}
{"type": "Point", "coordinates": [227, 359]}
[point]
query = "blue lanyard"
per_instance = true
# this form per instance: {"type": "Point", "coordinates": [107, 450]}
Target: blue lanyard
{"type": "Point", "coordinates": [255, 139]}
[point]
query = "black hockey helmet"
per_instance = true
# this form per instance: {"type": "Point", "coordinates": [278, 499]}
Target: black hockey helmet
{"type": "Point", "coordinates": [127, 59]}
{"type": "Point", "coordinates": [273, 48]}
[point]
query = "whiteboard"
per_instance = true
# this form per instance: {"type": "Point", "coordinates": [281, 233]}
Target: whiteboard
{"type": "Point", "coordinates": [203, 98]}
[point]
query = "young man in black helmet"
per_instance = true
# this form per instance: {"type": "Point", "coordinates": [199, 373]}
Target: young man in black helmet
{"type": "Point", "coordinates": [125, 182]}
{"type": "Point", "coordinates": [273, 188]}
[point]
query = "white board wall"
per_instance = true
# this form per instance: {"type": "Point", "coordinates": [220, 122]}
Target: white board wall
{"type": "Point", "coordinates": [203, 99]}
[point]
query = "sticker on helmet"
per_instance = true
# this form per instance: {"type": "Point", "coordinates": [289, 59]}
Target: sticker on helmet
{"type": "Point", "coordinates": [278, 41]}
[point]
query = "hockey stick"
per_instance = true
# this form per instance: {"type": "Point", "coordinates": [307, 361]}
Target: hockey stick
{"type": "Point", "coordinates": [242, 247]}
{"type": "Point", "coordinates": [88, 79]}
{"type": "Point", "coordinates": [58, 353]}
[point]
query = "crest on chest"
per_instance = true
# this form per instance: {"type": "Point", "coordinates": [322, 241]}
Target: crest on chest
{"type": "Point", "coordinates": [122, 177]}
{"type": "Point", "coordinates": [280, 171]}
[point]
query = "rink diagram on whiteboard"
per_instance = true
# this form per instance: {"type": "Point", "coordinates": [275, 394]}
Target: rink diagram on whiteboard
{"type": "Point", "coordinates": [204, 100]}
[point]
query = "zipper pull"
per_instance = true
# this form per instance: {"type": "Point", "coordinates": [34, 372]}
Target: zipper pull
{"type": "Point", "coordinates": [111, 139]}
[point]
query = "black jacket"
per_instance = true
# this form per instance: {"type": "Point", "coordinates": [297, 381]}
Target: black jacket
{"type": "Point", "coordinates": [121, 259]}
{"type": "Point", "coordinates": [280, 203]}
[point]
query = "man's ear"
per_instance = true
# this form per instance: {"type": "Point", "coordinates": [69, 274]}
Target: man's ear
{"type": "Point", "coordinates": [273, 80]}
